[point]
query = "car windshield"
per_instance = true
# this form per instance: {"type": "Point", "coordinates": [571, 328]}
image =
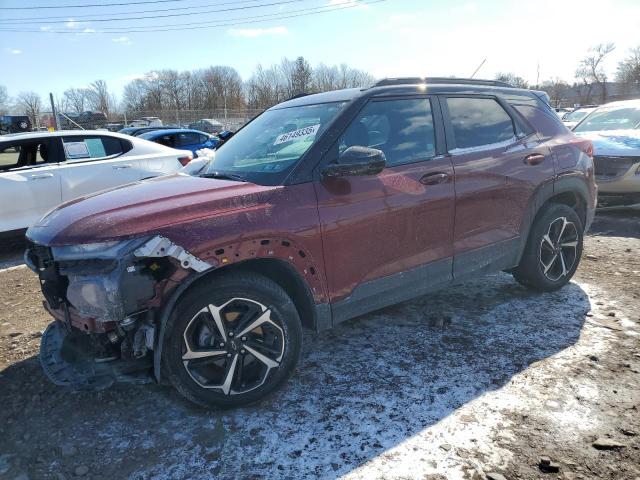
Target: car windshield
{"type": "Point", "coordinates": [575, 116]}
{"type": "Point", "coordinates": [611, 118]}
{"type": "Point", "coordinates": [268, 148]}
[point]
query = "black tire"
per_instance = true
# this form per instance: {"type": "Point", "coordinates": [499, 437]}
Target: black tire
{"type": "Point", "coordinates": [544, 265]}
{"type": "Point", "coordinates": [277, 340]}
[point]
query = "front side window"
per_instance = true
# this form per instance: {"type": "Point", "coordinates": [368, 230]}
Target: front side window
{"type": "Point", "coordinates": [268, 148]}
{"type": "Point", "coordinates": [402, 129]}
{"type": "Point", "coordinates": [26, 154]}
{"type": "Point", "coordinates": [188, 138]}
{"type": "Point", "coordinates": [611, 118]}
{"type": "Point", "coordinates": [479, 121]}
{"type": "Point", "coordinates": [91, 147]}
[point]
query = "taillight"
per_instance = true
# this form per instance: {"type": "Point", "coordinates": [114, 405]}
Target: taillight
{"type": "Point", "coordinates": [185, 160]}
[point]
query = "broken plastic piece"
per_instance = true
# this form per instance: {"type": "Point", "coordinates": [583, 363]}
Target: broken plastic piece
{"type": "Point", "coordinates": [160, 246]}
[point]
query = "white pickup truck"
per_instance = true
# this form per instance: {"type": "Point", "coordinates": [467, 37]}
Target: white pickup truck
{"type": "Point", "coordinates": [40, 170]}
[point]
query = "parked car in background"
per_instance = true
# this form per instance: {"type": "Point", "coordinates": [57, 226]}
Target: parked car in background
{"type": "Point", "coordinates": [323, 208]}
{"type": "Point", "coordinates": [136, 131]}
{"type": "Point", "coordinates": [14, 124]}
{"type": "Point", "coordinates": [146, 122]}
{"type": "Point", "coordinates": [614, 129]}
{"type": "Point", "coordinates": [88, 120]}
{"type": "Point", "coordinates": [562, 111]}
{"type": "Point", "coordinates": [571, 119]}
{"type": "Point", "coordinates": [207, 125]}
{"type": "Point", "coordinates": [41, 170]}
{"type": "Point", "coordinates": [192, 140]}
{"type": "Point", "coordinates": [114, 127]}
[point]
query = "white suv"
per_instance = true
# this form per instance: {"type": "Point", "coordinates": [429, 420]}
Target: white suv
{"type": "Point", "coordinates": [40, 170]}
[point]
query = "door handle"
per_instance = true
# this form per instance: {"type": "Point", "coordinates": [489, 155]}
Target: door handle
{"type": "Point", "coordinates": [434, 178]}
{"type": "Point", "coordinates": [40, 176]}
{"type": "Point", "coordinates": [120, 167]}
{"type": "Point", "coordinates": [534, 159]}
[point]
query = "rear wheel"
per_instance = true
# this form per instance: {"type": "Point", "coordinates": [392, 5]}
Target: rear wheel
{"type": "Point", "coordinates": [233, 342]}
{"type": "Point", "coordinates": [553, 249]}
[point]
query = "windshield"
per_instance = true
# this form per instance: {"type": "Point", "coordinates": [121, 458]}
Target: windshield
{"type": "Point", "coordinates": [268, 148]}
{"type": "Point", "coordinates": [576, 116]}
{"type": "Point", "coordinates": [611, 118]}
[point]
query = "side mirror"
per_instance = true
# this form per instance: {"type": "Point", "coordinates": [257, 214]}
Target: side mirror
{"type": "Point", "coordinates": [357, 160]}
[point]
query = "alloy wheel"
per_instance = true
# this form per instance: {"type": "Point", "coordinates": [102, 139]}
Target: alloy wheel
{"type": "Point", "coordinates": [559, 249]}
{"type": "Point", "coordinates": [232, 347]}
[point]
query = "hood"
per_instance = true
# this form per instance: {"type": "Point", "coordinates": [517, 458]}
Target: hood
{"type": "Point", "coordinates": [143, 208]}
{"type": "Point", "coordinates": [620, 143]}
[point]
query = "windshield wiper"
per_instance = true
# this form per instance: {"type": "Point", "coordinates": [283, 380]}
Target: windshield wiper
{"type": "Point", "coordinates": [224, 176]}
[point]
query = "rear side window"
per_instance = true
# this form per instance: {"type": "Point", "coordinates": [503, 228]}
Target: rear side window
{"type": "Point", "coordinates": [479, 121]}
{"type": "Point", "coordinates": [402, 129]}
{"type": "Point", "coordinates": [85, 147]}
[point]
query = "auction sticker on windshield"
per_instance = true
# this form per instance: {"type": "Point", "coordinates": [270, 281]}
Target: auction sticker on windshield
{"type": "Point", "coordinates": [297, 134]}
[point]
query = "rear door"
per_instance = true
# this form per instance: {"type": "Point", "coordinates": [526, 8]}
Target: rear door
{"type": "Point", "coordinates": [389, 235]}
{"type": "Point", "coordinates": [29, 181]}
{"type": "Point", "coordinates": [96, 162]}
{"type": "Point", "coordinates": [499, 162]}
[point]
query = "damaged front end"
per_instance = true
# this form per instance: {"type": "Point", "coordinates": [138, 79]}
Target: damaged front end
{"type": "Point", "coordinates": [104, 298]}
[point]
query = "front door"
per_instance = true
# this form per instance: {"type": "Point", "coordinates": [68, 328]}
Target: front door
{"type": "Point", "coordinates": [29, 181]}
{"type": "Point", "coordinates": [388, 237]}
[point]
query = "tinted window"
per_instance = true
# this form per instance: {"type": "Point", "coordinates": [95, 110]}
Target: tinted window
{"type": "Point", "coordinates": [86, 147]}
{"type": "Point", "coordinates": [188, 138]}
{"type": "Point", "coordinates": [402, 129]}
{"type": "Point", "coordinates": [24, 155]}
{"type": "Point", "coordinates": [479, 121]}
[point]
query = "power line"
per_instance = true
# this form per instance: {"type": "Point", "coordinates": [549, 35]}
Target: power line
{"type": "Point", "coordinates": [208, 22]}
{"type": "Point", "coordinates": [149, 17]}
{"type": "Point", "coordinates": [92, 5]}
{"type": "Point", "coordinates": [173, 27]}
{"type": "Point", "coordinates": [75, 17]}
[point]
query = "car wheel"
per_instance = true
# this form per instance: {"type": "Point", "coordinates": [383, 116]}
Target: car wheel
{"type": "Point", "coordinates": [553, 249]}
{"type": "Point", "coordinates": [232, 341]}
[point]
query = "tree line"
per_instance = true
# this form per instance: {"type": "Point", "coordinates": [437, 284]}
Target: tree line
{"type": "Point", "coordinates": [219, 87]}
{"type": "Point", "coordinates": [590, 85]}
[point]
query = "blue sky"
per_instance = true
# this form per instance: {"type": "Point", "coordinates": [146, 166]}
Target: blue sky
{"type": "Point", "coordinates": [391, 38]}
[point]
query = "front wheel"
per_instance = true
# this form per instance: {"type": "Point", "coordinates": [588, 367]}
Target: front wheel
{"type": "Point", "coordinates": [553, 249]}
{"type": "Point", "coordinates": [233, 341]}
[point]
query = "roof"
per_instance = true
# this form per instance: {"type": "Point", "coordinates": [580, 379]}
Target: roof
{"type": "Point", "coordinates": [210, 120]}
{"type": "Point", "coordinates": [60, 133]}
{"type": "Point", "coordinates": [435, 85]}
{"type": "Point", "coordinates": [168, 131]}
{"type": "Point", "coordinates": [623, 103]}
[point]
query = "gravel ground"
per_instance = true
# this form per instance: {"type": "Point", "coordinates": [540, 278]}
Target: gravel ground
{"type": "Point", "coordinates": [479, 380]}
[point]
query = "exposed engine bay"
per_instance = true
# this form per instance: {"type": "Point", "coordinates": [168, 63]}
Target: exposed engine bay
{"type": "Point", "coordinates": [102, 297]}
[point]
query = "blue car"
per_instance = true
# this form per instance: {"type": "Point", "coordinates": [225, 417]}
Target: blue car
{"type": "Point", "coordinates": [182, 139]}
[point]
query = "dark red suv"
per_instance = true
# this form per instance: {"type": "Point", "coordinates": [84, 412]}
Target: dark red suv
{"type": "Point", "coordinates": [323, 208]}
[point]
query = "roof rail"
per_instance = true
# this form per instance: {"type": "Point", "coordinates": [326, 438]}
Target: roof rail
{"type": "Point", "coordinates": [441, 80]}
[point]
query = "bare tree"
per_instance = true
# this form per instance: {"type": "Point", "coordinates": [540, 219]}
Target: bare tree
{"type": "Point", "coordinates": [76, 99]}
{"type": "Point", "coordinates": [4, 100]}
{"type": "Point", "coordinates": [628, 72]}
{"type": "Point", "coordinates": [98, 96]}
{"type": "Point", "coordinates": [31, 104]}
{"type": "Point", "coordinates": [590, 70]}
{"type": "Point", "coordinates": [557, 89]}
{"type": "Point", "coordinates": [512, 79]}
{"type": "Point", "coordinates": [133, 97]}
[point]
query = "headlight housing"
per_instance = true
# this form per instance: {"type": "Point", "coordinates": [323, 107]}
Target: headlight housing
{"type": "Point", "coordinates": [99, 250]}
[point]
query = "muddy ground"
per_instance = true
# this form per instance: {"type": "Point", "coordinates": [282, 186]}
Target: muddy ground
{"type": "Point", "coordinates": [482, 379]}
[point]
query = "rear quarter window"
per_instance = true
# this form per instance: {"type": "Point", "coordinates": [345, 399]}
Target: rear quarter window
{"type": "Point", "coordinates": [544, 122]}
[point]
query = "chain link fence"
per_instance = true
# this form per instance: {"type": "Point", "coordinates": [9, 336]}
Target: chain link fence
{"type": "Point", "coordinates": [210, 121]}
